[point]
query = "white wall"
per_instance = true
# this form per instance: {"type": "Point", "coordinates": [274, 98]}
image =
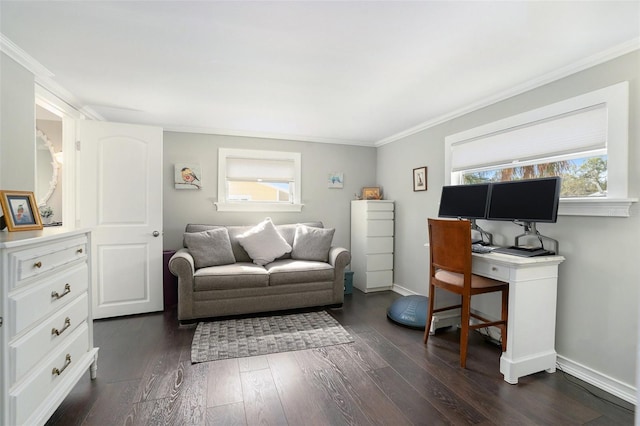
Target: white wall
{"type": "Point", "coordinates": [598, 284]}
{"type": "Point", "coordinates": [331, 206]}
{"type": "Point", "coordinates": [17, 133]}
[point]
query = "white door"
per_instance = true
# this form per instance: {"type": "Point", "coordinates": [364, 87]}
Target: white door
{"type": "Point", "coordinates": [119, 181]}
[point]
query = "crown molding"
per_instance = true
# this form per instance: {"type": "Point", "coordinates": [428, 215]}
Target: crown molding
{"type": "Point", "coordinates": [44, 78]}
{"type": "Point", "coordinates": [266, 135]}
{"type": "Point", "coordinates": [591, 61]}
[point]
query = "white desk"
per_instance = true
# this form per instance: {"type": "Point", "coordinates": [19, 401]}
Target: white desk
{"type": "Point", "coordinates": [531, 326]}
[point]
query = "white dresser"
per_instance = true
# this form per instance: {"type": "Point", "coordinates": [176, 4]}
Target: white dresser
{"type": "Point", "coordinates": [372, 244]}
{"type": "Point", "coordinates": [46, 325]}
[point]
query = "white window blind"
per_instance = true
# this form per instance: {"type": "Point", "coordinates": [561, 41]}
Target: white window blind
{"type": "Point", "coordinates": [577, 131]}
{"type": "Point", "coordinates": [253, 169]}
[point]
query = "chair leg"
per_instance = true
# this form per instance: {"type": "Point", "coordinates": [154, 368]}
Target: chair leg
{"type": "Point", "coordinates": [464, 329]}
{"type": "Point", "coordinates": [429, 313]}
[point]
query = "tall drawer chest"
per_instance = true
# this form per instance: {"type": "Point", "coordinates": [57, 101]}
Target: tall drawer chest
{"type": "Point", "coordinates": [372, 230]}
{"type": "Point", "coordinates": [46, 326]}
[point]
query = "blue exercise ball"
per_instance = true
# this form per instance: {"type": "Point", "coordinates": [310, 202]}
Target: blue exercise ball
{"type": "Point", "coordinates": [410, 311]}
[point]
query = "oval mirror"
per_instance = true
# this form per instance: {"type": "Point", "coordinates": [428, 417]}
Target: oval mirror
{"type": "Point", "coordinates": [47, 169]}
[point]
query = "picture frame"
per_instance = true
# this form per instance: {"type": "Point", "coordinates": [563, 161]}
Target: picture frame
{"type": "Point", "coordinates": [371, 193]}
{"type": "Point", "coordinates": [420, 179]}
{"type": "Point", "coordinates": [335, 180]}
{"type": "Point", "coordinates": [187, 176]}
{"type": "Point", "coordinates": [20, 211]}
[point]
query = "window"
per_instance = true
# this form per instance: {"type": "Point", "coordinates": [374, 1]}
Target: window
{"type": "Point", "coordinates": [251, 180]}
{"type": "Point", "coordinates": [583, 139]}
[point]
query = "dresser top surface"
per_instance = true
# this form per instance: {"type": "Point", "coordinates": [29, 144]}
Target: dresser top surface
{"type": "Point", "coordinates": [20, 238]}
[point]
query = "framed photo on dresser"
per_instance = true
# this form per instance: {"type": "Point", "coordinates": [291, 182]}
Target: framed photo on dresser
{"type": "Point", "coordinates": [20, 210]}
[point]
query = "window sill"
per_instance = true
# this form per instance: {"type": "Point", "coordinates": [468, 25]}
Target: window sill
{"type": "Point", "coordinates": [258, 207]}
{"type": "Point", "coordinates": [596, 207]}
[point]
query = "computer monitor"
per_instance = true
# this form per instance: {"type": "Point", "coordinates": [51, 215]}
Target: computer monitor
{"type": "Point", "coordinates": [529, 201]}
{"type": "Point", "coordinates": [464, 201]}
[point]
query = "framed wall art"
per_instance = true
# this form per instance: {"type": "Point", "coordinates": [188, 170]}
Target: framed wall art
{"type": "Point", "coordinates": [420, 179]}
{"type": "Point", "coordinates": [20, 210]}
{"type": "Point", "coordinates": [336, 180]}
{"type": "Point", "coordinates": [187, 176]}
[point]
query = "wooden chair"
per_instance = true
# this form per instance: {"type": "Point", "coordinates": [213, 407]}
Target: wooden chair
{"type": "Point", "coordinates": [450, 269]}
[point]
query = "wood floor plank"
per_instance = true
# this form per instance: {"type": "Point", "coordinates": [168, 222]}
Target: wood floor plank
{"type": "Point", "coordinates": [223, 383]}
{"type": "Point", "coordinates": [226, 415]}
{"type": "Point", "coordinates": [261, 401]}
{"type": "Point", "coordinates": [302, 400]}
{"type": "Point", "coordinates": [113, 405]}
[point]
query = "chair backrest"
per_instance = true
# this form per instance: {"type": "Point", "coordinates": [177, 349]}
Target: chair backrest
{"type": "Point", "coordinates": [450, 245]}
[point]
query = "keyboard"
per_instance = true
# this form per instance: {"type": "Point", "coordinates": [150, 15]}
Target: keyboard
{"type": "Point", "coordinates": [523, 252]}
{"type": "Point", "coordinates": [477, 248]}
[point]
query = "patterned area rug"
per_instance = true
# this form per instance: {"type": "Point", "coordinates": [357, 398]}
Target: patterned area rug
{"type": "Point", "coordinates": [245, 337]}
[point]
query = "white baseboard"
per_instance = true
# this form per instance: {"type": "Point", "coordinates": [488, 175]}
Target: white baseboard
{"type": "Point", "coordinates": [404, 291]}
{"type": "Point", "coordinates": [599, 380]}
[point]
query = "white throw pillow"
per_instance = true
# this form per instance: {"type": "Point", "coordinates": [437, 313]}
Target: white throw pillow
{"type": "Point", "coordinates": [263, 243]}
{"type": "Point", "coordinates": [312, 243]}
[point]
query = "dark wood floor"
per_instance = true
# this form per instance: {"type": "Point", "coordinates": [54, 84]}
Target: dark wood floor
{"type": "Point", "coordinates": [386, 377]}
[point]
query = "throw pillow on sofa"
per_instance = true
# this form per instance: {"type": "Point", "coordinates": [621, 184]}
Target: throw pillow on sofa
{"type": "Point", "coordinates": [210, 248]}
{"type": "Point", "coordinates": [312, 243]}
{"type": "Point", "coordinates": [263, 243]}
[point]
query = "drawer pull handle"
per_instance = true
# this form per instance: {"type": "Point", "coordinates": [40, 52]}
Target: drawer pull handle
{"type": "Point", "coordinates": [67, 290]}
{"type": "Point", "coordinates": [79, 251]}
{"type": "Point", "coordinates": [37, 265]}
{"type": "Point", "coordinates": [67, 324]}
{"type": "Point", "coordinates": [493, 268]}
{"type": "Point", "coordinates": [67, 362]}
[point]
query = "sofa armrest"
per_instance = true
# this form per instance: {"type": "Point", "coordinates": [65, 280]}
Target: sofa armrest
{"type": "Point", "coordinates": [339, 258]}
{"type": "Point", "coordinates": [182, 264]}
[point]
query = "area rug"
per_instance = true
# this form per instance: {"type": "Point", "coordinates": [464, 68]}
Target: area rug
{"type": "Point", "coordinates": [237, 338]}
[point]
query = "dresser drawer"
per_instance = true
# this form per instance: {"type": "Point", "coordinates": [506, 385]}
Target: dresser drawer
{"type": "Point", "coordinates": [377, 206]}
{"type": "Point", "coordinates": [29, 304]}
{"type": "Point", "coordinates": [379, 228]}
{"type": "Point", "coordinates": [490, 270]}
{"type": "Point", "coordinates": [379, 279]}
{"type": "Point", "coordinates": [27, 396]}
{"type": "Point", "coordinates": [379, 262]}
{"type": "Point", "coordinates": [379, 245]}
{"type": "Point", "coordinates": [37, 261]}
{"type": "Point", "coordinates": [376, 215]}
{"type": "Point", "coordinates": [24, 353]}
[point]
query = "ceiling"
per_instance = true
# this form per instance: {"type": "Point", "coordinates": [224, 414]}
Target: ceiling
{"type": "Point", "coordinates": [330, 71]}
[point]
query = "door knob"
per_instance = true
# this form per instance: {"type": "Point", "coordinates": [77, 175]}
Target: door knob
{"type": "Point", "coordinates": [155, 233]}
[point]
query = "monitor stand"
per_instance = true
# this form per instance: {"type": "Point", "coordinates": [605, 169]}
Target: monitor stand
{"type": "Point", "coordinates": [475, 227]}
{"type": "Point", "coordinates": [531, 231]}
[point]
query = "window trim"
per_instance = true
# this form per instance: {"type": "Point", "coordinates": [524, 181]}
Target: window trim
{"type": "Point", "coordinates": [224, 205]}
{"type": "Point", "coordinates": [616, 99]}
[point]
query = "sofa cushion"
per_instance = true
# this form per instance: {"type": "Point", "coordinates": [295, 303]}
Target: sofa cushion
{"type": "Point", "coordinates": [312, 243]}
{"type": "Point", "coordinates": [210, 248]}
{"type": "Point", "coordinates": [228, 277]}
{"type": "Point", "coordinates": [263, 243]}
{"type": "Point", "coordinates": [290, 271]}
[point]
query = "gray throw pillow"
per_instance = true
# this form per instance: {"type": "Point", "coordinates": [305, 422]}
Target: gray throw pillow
{"type": "Point", "coordinates": [312, 243]}
{"type": "Point", "coordinates": [210, 248]}
{"type": "Point", "coordinates": [263, 243]}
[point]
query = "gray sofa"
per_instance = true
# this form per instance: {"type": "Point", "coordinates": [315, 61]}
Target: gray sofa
{"type": "Point", "coordinates": [296, 279]}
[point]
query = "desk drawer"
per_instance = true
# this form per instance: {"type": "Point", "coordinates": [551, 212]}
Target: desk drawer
{"type": "Point", "coordinates": [34, 302]}
{"type": "Point", "coordinates": [491, 270]}
{"type": "Point", "coordinates": [25, 352]}
{"type": "Point", "coordinates": [39, 260]}
{"type": "Point", "coordinates": [27, 396]}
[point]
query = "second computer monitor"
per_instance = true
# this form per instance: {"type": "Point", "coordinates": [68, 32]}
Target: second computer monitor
{"type": "Point", "coordinates": [464, 201]}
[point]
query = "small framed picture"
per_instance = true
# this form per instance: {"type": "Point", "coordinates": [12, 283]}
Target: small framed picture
{"type": "Point", "coordinates": [20, 210]}
{"type": "Point", "coordinates": [420, 179]}
{"type": "Point", "coordinates": [336, 180]}
{"type": "Point", "coordinates": [187, 176]}
{"type": "Point", "coordinates": [371, 193]}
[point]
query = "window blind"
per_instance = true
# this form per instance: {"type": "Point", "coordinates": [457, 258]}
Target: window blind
{"type": "Point", "coordinates": [252, 169]}
{"type": "Point", "coordinates": [578, 131]}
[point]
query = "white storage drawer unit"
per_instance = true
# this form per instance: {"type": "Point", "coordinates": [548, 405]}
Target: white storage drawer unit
{"type": "Point", "coordinates": [372, 230]}
{"type": "Point", "coordinates": [46, 326]}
